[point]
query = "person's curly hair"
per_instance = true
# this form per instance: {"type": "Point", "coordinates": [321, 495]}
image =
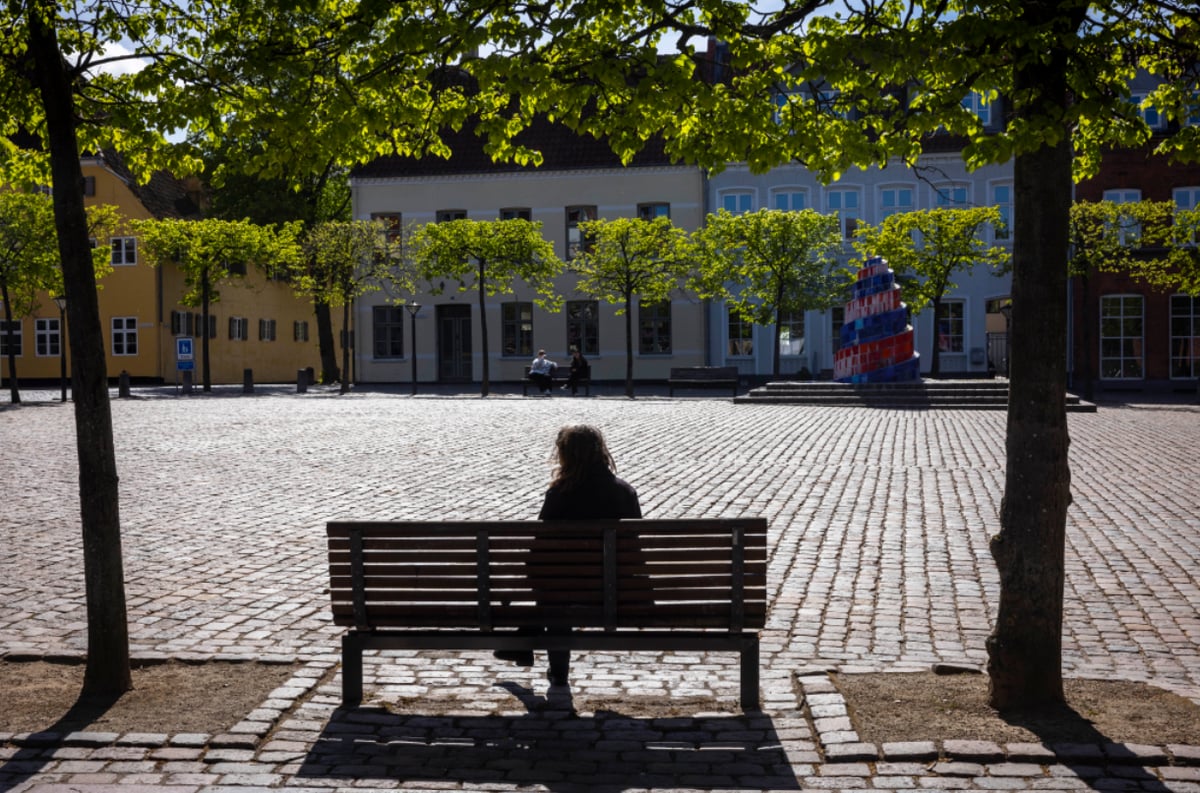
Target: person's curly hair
{"type": "Point", "coordinates": [579, 450]}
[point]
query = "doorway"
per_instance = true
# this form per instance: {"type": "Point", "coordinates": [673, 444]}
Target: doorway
{"type": "Point", "coordinates": [454, 343]}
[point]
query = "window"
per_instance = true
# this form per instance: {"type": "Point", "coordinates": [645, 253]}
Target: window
{"type": "Point", "coordinates": [239, 328]}
{"type": "Point", "coordinates": [387, 326]}
{"type": "Point", "coordinates": [895, 201]}
{"type": "Point", "coordinates": [830, 104]}
{"type": "Point", "coordinates": [737, 202]}
{"type": "Point", "coordinates": [652, 211]}
{"type": "Point", "coordinates": [516, 329]}
{"type": "Point", "coordinates": [837, 318]}
{"type": "Point", "coordinates": [15, 339]}
{"type": "Point", "coordinates": [46, 338]}
{"type": "Point", "coordinates": [1149, 113]}
{"type": "Point", "coordinates": [791, 333]}
{"type": "Point", "coordinates": [950, 326]}
{"type": "Point", "coordinates": [950, 197]}
{"type": "Point", "coordinates": [183, 323]}
{"type": "Point", "coordinates": [391, 223]}
{"type": "Point", "coordinates": [1185, 337]}
{"type": "Point", "coordinates": [977, 104]}
{"type": "Point", "coordinates": [89, 186]}
{"type": "Point", "coordinates": [1187, 197]}
{"type": "Point", "coordinates": [654, 327]}
{"type": "Point", "coordinates": [124, 251]}
{"type": "Point", "coordinates": [1121, 337]}
{"type": "Point", "coordinates": [845, 204]}
{"type": "Point", "coordinates": [1130, 231]}
{"type": "Point", "coordinates": [300, 330]}
{"type": "Point", "coordinates": [446, 215]}
{"type": "Point", "coordinates": [1002, 200]}
{"type": "Point", "coordinates": [124, 336]}
{"type": "Point", "coordinates": [583, 326]}
{"type": "Point", "coordinates": [235, 268]}
{"type": "Point", "coordinates": [198, 324]}
{"type": "Point", "coordinates": [577, 243]}
{"type": "Point", "coordinates": [741, 334]}
{"type": "Point", "coordinates": [516, 213]}
{"type": "Point", "coordinates": [789, 200]}
{"type": "Point", "coordinates": [266, 330]}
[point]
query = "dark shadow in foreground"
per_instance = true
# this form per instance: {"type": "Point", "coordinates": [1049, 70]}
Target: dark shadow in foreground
{"type": "Point", "coordinates": [553, 746]}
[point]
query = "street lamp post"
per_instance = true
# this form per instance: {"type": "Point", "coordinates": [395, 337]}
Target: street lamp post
{"type": "Point", "coordinates": [61, 302]}
{"type": "Point", "coordinates": [413, 308]}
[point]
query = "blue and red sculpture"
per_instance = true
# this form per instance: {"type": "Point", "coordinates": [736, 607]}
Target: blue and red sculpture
{"type": "Point", "coordinates": [876, 339]}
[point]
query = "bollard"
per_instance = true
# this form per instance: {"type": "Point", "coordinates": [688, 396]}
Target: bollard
{"type": "Point", "coordinates": [123, 385]}
{"type": "Point", "coordinates": [187, 381]}
{"type": "Point", "coordinates": [247, 381]}
{"type": "Point", "coordinates": [302, 381]}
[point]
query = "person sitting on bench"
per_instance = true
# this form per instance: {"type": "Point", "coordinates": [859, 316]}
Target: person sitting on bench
{"type": "Point", "coordinates": [585, 487]}
{"type": "Point", "coordinates": [541, 372]}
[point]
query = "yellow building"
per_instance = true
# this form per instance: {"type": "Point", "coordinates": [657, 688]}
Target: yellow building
{"type": "Point", "coordinates": [258, 323]}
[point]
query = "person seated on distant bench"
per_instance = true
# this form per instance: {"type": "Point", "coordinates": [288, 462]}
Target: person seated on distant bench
{"type": "Point", "coordinates": [579, 370]}
{"type": "Point", "coordinates": [541, 372]}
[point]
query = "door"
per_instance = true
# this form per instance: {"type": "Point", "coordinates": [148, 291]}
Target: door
{"type": "Point", "coordinates": [454, 343]}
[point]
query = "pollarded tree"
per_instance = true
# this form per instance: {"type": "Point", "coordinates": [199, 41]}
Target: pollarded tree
{"type": "Point", "coordinates": [928, 247]}
{"type": "Point", "coordinates": [489, 256]}
{"type": "Point", "coordinates": [1109, 237]}
{"type": "Point", "coordinates": [771, 262]}
{"type": "Point", "coordinates": [625, 257]}
{"type": "Point", "coordinates": [211, 254]}
{"type": "Point", "coordinates": [346, 259]}
{"type": "Point", "coordinates": [29, 264]}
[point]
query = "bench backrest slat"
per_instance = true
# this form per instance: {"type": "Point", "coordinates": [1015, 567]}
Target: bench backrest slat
{"type": "Point", "coordinates": [705, 573]}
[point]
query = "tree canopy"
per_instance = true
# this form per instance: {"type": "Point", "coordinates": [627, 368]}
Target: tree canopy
{"type": "Point", "coordinates": [769, 263]}
{"type": "Point", "coordinates": [490, 257]}
{"type": "Point", "coordinates": [627, 257]}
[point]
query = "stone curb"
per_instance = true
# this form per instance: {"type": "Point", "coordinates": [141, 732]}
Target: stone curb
{"type": "Point", "coordinates": [826, 708]}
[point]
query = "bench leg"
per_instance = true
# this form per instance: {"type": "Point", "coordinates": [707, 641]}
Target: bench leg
{"type": "Point", "coordinates": [352, 670]}
{"type": "Point", "coordinates": [750, 674]}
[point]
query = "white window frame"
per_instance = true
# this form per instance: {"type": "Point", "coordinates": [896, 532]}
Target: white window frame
{"type": "Point", "coordinates": [300, 330]}
{"type": "Point", "coordinates": [891, 200]}
{"type": "Point", "coordinates": [953, 333]}
{"type": "Point", "coordinates": [1130, 232]}
{"type": "Point", "coordinates": [124, 337]}
{"type": "Point", "coordinates": [837, 200]}
{"type": "Point", "coordinates": [736, 201]}
{"type": "Point", "coordinates": [239, 329]}
{"type": "Point", "coordinates": [654, 327]}
{"type": "Point", "coordinates": [124, 251]}
{"type": "Point", "coordinates": [47, 338]}
{"type": "Point", "coordinates": [387, 332]}
{"type": "Point", "coordinates": [583, 326]}
{"type": "Point", "coordinates": [266, 330]}
{"type": "Point", "coordinates": [516, 329]}
{"type": "Point", "coordinates": [1004, 203]}
{"type": "Point", "coordinates": [980, 107]}
{"type": "Point", "coordinates": [740, 345]}
{"type": "Point", "coordinates": [1126, 352]}
{"type": "Point", "coordinates": [789, 199]}
{"type": "Point", "coordinates": [577, 242]}
{"type": "Point", "coordinates": [791, 343]}
{"type": "Point", "coordinates": [951, 196]}
{"type": "Point", "coordinates": [654, 209]}
{"type": "Point", "coordinates": [1150, 114]}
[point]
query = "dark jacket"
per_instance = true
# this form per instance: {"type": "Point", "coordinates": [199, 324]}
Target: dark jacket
{"type": "Point", "coordinates": [600, 495]}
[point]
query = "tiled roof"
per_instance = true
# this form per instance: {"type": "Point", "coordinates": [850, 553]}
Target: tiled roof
{"type": "Point", "coordinates": [164, 196]}
{"type": "Point", "coordinates": [561, 149]}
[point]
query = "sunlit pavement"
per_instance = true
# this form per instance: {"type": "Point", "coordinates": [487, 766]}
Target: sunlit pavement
{"type": "Point", "coordinates": [880, 521]}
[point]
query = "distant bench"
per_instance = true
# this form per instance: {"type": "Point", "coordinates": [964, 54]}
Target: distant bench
{"type": "Point", "coordinates": [703, 377]}
{"type": "Point", "coordinates": [584, 381]}
{"type": "Point", "coordinates": [687, 585]}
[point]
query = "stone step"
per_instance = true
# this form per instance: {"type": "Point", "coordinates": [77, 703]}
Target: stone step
{"type": "Point", "coordinates": [923, 395]}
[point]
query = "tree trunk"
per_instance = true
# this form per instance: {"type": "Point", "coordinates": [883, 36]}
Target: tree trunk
{"type": "Point", "coordinates": [485, 388]}
{"type": "Point", "coordinates": [345, 379]}
{"type": "Point", "coordinates": [325, 343]}
{"type": "Point", "coordinates": [107, 671]}
{"type": "Point", "coordinates": [205, 303]}
{"type": "Point", "coordinates": [935, 364]}
{"type": "Point", "coordinates": [629, 345]}
{"type": "Point", "coordinates": [1025, 648]}
{"type": "Point", "coordinates": [14, 391]}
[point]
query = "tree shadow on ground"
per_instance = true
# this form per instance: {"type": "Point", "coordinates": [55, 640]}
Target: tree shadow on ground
{"type": "Point", "coordinates": [29, 760]}
{"type": "Point", "coordinates": [552, 746]}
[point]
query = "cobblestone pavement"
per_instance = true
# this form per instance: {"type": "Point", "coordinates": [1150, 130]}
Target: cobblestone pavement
{"type": "Point", "coordinates": [878, 561]}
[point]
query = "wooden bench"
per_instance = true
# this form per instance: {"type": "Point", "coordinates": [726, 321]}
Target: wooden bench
{"type": "Point", "coordinates": [687, 585]}
{"type": "Point", "coordinates": [561, 373]}
{"type": "Point", "coordinates": [703, 377]}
